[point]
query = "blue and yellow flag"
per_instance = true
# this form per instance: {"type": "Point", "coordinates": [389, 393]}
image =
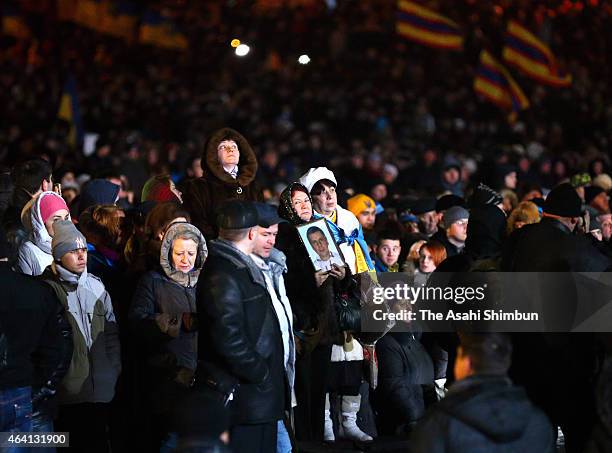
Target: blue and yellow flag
{"type": "Point", "coordinates": [531, 56]}
{"type": "Point", "coordinates": [119, 19]}
{"type": "Point", "coordinates": [14, 24]}
{"type": "Point", "coordinates": [161, 32]}
{"type": "Point", "coordinates": [427, 27]}
{"type": "Point", "coordinates": [69, 111]}
{"type": "Point", "coordinates": [494, 82]}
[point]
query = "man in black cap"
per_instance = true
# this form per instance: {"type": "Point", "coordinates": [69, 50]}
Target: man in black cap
{"type": "Point", "coordinates": [425, 210]}
{"type": "Point", "coordinates": [240, 345]}
{"type": "Point", "coordinates": [550, 245]}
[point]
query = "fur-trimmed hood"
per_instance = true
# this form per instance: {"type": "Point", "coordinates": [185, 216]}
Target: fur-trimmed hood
{"type": "Point", "coordinates": [247, 165]}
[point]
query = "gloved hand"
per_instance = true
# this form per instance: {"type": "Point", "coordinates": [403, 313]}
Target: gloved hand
{"type": "Point", "coordinates": [189, 322]}
{"type": "Point", "coordinates": [168, 324]}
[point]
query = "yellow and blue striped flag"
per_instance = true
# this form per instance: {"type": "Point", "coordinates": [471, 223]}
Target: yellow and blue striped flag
{"type": "Point", "coordinates": [494, 82]}
{"type": "Point", "coordinates": [427, 27]}
{"type": "Point", "coordinates": [528, 54]}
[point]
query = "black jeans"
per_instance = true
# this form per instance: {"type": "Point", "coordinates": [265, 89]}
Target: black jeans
{"type": "Point", "coordinates": [260, 438]}
{"type": "Point", "coordinates": [87, 424]}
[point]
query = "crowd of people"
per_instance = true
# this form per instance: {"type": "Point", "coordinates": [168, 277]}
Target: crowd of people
{"type": "Point", "coordinates": [162, 293]}
{"type": "Point", "coordinates": [205, 319]}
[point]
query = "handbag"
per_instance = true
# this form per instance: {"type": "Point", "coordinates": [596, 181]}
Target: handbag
{"type": "Point", "coordinates": [348, 311]}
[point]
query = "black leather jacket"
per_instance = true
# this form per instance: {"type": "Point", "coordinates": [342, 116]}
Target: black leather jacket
{"type": "Point", "coordinates": [240, 340]}
{"type": "Point", "coordinates": [35, 338]}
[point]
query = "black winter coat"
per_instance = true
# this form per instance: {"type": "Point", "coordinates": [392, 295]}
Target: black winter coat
{"type": "Point", "coordinates": [484, 414]}
{"type": "Point", "coordinates": [35, 338]}
{"type": "Point", "coordinates": [240, 339]}
{"type": "Point", "coordinates": [404, 367]}
{"type": "Point", "coordinates": [549, 246]}
{"type": "Point", "coordinates": [313, 307]}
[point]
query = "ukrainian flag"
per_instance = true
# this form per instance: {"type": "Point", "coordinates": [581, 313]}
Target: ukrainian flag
{"type": "Point", "coordinates": [69, 111]}
{"type": "Point", "coordinates": [531, 56]}
{"type": "Point", "coordinates": [119, 19]}
{"type": "Point", "coordinates": [427, 27]}
{"type": "Point", "coordinates": [161, 32]}
{"type": "Point", "coordinates": [494, 82]}
{"type": "Point", "coordinates": [13, 23]}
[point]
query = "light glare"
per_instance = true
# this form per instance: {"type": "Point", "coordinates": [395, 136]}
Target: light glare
{"type": "Point", "coordinates": [242, 50]}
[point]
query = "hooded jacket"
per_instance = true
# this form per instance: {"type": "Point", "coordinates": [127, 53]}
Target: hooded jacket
{"type": "Point", "coordinates": [484, 413]}
{"type": "Point", "coordinates": [96, 358]}
{"type": "Point", "coordinates": [203, 196]}
{"type": "Point", "coordinates": [240, 344]}
{"type": "Point", "coordinates": [35, 253]}
{"type": "Point", "coordinates": [168, 291]}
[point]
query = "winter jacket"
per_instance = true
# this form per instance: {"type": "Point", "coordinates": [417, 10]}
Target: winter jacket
{"type": "Point", "coordinates": [203, 196]}
{"type": "Point", "coordinates": [35, 253]}
{"type": "Point", "coordinates": [404, 367]}
{"type": "Point", "coordinates": [549, 246]}
{"type": "Point", "coordinates": [484, 413]}
{"type": "Point", "coordinates": [451, 249]}
{"type": "Point", "coordinates": [96, 361]}
{"type": "Point", "coordinates": [35, 338]}
{"type": "Point", "coordinates": [170, 355]}
{"type": "Point", "coordinates": [240, 344]}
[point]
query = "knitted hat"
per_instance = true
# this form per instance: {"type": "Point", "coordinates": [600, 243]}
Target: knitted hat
{"type": "Point", "coordinates": [484, 195]}
{"type": "Point", "coordinates": [157, 189]}
{"type": "Point", "coordinates": [360, 203]}
{"type": "Point", "coordinates": [314, 175]}
{"type": "Point", "coordinates": [50, 203]}
{"type": "Point", "coordinates": [580, 180]}
{"type": "Point", "coordinates": [66, 239]}
{"type": "Point", "coordinates": [604, 181]}
{"type": "Point", "coordinates": [591, 192]}
{"type": "Point", "coordinates": [455, 214]}
{"type": "Point", "coordinates": [563, 201]}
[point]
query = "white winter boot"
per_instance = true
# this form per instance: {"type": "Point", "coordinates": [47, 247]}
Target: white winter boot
{"type": "Point", "coordinates": [349, 428]}
{"type": "Point", "coordinates": [328, 428]}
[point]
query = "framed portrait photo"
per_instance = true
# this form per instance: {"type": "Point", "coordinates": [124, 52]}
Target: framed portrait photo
{"type": "Point", "coordinates": [320, 245]}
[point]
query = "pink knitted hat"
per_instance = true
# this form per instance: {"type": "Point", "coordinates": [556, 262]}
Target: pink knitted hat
{"type": "Point", "coordinates": [50, 204]}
